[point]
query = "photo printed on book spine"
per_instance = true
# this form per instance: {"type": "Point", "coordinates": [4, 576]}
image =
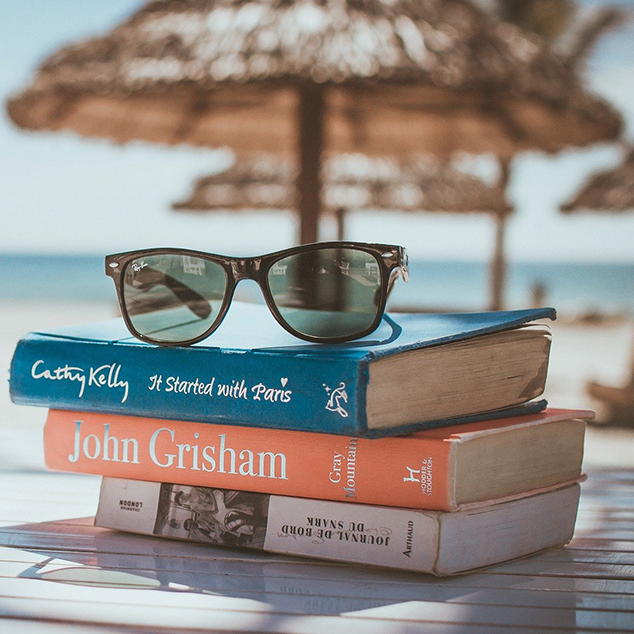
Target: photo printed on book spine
{"type": "Point", "coordinates": [216, 516]}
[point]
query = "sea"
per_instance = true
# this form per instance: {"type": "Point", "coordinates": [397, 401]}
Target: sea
{"type": "Point", "coordinates": [572, 288]}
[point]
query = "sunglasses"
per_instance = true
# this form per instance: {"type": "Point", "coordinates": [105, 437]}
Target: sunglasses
{"type": "Point", "coordinates": [327, 292]}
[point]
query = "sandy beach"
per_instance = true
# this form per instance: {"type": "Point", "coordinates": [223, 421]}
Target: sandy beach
{"type": "Point", "coordinates": [581, 351]}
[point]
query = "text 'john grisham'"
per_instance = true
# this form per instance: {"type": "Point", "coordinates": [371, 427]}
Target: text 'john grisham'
{"type": "Point", "coordinates": [164, 451]}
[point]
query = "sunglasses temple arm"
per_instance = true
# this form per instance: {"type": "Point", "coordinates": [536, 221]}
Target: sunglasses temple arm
{"type": "Point", "coordinates": [390, 284]}
{"type": "Point", "coordinates": [150, 277]}
{"type": "Point", "coordinates": [400, 271]}
{"type": "Point", "coordinates": [193, 300]}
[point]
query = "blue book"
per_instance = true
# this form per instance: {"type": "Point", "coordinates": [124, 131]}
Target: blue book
{"type": "Point", "coordinates": [417, 371]}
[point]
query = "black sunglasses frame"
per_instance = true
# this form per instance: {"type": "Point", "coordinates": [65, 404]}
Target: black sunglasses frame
{"type": "Point", "coordinates": [392, 260]}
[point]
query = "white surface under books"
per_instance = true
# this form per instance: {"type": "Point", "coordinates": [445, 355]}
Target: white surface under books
{"type": "Point", "coordinates": [59, 574]}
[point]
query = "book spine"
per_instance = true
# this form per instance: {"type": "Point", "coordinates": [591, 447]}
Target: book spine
{"type": "Point", "coordinates": [393, 538]}
{"type": "Point", "coordinates": [285, 391]}
{"type": "Point", "coordinates": [412, 472]}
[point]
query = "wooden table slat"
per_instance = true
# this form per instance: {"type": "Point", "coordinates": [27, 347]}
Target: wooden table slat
{"type": "Point", "coordinates": [60, 574]}
{"type": "Point", "coordinates": [171, 609]}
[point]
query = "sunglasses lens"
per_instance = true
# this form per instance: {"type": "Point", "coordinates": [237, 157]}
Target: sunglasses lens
{"type": "Point", "coordinates": [172, 297]}
{"type": "Point", "coordinates": [327, 293]}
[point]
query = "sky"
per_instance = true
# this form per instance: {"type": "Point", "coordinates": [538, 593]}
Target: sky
{"type": "Point", "coordinates": [65, 194]}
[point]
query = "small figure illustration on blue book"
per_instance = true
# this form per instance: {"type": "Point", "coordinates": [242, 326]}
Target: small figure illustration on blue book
{"type": "Point", "coordinates": [336, 397]}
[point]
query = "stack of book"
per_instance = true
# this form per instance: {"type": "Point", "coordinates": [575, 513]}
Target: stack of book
{"type": "Point", "coordinates": [421, 447]}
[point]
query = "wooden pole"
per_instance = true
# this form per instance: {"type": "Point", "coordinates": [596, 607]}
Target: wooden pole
{"type": "Point", "coordinates": [341, 223]}
{"type": "Point", "coordinates": [498, 265]}
{"type": "Point", "coordinates": [498, 262]}
{"type": "Point", "coordinates": [311, 113]}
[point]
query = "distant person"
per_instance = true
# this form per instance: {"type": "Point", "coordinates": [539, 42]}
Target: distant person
{"type": "Point", "coordinates": [538, 294]}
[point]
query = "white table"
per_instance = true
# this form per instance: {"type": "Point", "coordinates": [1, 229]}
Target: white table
{"type": "Point", "coordinates": [60, 574]}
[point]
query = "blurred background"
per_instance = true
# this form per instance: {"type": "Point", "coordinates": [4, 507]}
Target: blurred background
{"type": "Point", "coordinates": [500, 224]}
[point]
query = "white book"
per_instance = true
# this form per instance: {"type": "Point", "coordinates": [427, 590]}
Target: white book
{"type": "Point", "coordinates": [433, 542]}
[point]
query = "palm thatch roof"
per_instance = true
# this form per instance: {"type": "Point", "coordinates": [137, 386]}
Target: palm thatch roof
{"type": "Point", "coordinates": [398, 76]}
{"type": "Point", "coordinates": [607, 191]}
{"type": "Point", "coordinates": [351, 182]}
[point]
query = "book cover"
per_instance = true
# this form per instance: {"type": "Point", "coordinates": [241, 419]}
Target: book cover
{"type": "Point", "coordinates": [422, 541]}
{"type": "Point", "coordinates": [249, 372]}
{"type": "Point", "coordinates": [435, 469]}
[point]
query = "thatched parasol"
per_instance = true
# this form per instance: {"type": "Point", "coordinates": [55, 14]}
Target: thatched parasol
{"type": "Point", "coordinates": [377, 76]}
{"type": "Point", "coordinates": [351, 182]}
{"type": "Point", "coordinates": [354, 182]}
{"type": "Point", "coordinates": [607, 191]}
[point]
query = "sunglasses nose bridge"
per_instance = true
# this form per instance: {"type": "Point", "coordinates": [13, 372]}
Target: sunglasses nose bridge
{"type": "Point", "coordinates": [246, 268]}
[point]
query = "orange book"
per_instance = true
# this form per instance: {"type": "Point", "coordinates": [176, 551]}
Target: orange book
{"type": "Point", "coordinates": [440, 469]}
